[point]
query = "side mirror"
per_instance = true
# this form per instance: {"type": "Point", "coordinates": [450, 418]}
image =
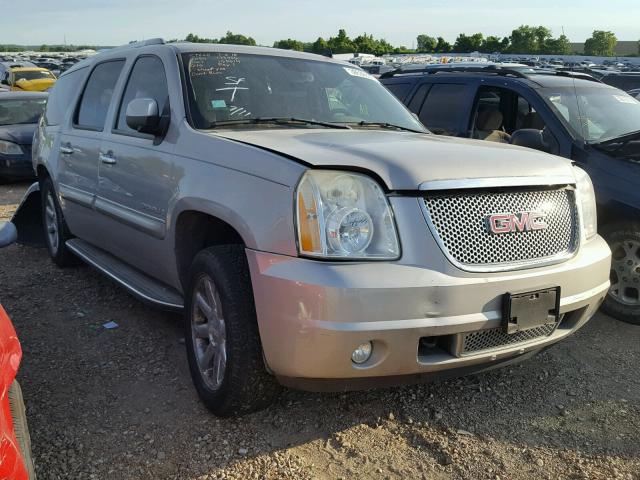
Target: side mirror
{"type": "Point", "coordinates": [530, 138]}
{"type": "Point", "coordinates": [143, 116]}
{"type": "Point", "coordinates": [8, 234]}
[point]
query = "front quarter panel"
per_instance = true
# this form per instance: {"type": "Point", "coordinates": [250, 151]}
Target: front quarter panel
{"type": "Point", "coordinates": [248, 188]}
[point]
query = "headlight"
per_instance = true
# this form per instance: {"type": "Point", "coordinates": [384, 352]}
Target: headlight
{"type": "Point", "coordinates": [587, 202]}
{"type": "Point", "coordinates": [344, 215]}
{"type": "Point", "coordinates": [10, 148]}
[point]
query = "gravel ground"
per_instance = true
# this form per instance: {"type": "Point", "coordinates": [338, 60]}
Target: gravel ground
{"type": "Point", "coordinates": [118, 404]}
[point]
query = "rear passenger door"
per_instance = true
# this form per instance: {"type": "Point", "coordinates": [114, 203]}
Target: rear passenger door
{"type": "Point", "coordinates": [80, 142]}
{"type": "Point", "coordinates": [445, 109]}
{"type": "Point", "coordinates": [399, 89]}
{"type": "Point", "coordinates": [137, 177]}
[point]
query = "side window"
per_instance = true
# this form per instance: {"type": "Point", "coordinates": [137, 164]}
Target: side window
{"type": "Point", "coordinates": [418, 98]}
{"type": "Point", "coordinates": [97, 94]}
{"type": "Point", "coordinates": [444, 107]}
{"type": "Point", "coordinates": [61, 97]}
{"type": "Point", "coordinates": [527, 117]}
{"type": "Point", "coordinates": [492, 115]}
{"type": "Point", "coordinates": [346, 103]}
{"type": "Point", "coordinates": [400, 90]}
{"type": "Point", "coordinates": [147, 80]}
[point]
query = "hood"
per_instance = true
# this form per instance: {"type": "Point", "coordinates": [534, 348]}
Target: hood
{"type": "Point", "coordinates": [37, 85]}
{"type": "Point", "coordinates": [21, 134]}
{"type": "Point", "coordinates": [404, 160]}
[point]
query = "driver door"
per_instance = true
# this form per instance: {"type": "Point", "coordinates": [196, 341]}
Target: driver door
{"type": "Point", "coordinates": [137, 173]}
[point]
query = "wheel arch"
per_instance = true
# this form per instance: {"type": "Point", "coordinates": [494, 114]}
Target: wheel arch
{"type": "Point", "coordinates": [196, 229]}
{"type": "Point", "coordinates": [42, 172]}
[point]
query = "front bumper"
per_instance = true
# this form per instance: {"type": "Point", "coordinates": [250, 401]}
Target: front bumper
{"type": "Point", "coordinates": [313, 314]}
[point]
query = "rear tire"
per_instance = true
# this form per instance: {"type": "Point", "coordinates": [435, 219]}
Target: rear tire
{"type": "Point", "coordinates": [56, 232]}
{"type": "Point", "coordinates": [221, 334]}
{"type": "Point", "coordinates": [623, 299]}
{"type": "Point", "coordinates": [21, 428]}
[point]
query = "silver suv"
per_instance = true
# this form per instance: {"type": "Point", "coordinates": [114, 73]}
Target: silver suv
{"type": "Point", "coordinates": [313, 232]}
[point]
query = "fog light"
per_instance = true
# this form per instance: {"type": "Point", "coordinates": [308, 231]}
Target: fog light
{"type": "Point", "coordinates": [362, 353]}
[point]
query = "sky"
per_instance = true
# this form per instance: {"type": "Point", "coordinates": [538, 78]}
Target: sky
{"type": "Point", "coordinates": [115, 22]}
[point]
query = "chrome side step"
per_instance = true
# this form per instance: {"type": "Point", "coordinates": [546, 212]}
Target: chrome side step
{"type": "Point", "coordinates": [139, 284]}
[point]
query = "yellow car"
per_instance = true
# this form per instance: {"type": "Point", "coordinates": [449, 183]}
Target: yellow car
{"type": "Point", "coordinates": [27, 79]}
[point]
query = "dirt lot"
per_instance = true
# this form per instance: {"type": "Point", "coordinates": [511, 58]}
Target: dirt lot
{"type": "Point", "coordinates": [118, 404]}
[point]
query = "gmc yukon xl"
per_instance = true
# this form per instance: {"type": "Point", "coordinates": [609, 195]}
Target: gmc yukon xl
{"type": "Point", "coordinates": [312, 231]}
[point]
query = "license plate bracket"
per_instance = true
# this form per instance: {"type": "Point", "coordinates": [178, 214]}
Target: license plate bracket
{"type": "Point", "coordinates": [527, 310]}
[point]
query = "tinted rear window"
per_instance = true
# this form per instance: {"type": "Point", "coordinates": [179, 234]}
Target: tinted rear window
{"type": "Point", "coordinates": [418, 98]}
{"type": "Point", "coordinates": [444, 108]}
{"type": "Point", "coordinates": [400, 90]}
{"type": "Point", "coordinates": [624, 82]}
{"type": "Point", "coordinates": [97, 94]}
{"type": "Point", "coordinates": [62, 97]}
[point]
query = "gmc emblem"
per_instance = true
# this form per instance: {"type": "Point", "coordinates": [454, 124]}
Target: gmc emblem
{"type": "Point", "coordinates": [499, 223]}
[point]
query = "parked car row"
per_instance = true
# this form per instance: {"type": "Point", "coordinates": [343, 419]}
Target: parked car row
{"type": "Point", "coordinates": [54, 61]}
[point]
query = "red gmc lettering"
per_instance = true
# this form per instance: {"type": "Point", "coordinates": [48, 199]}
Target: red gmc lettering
{"type": "Point", "coordinates": [516, 222]}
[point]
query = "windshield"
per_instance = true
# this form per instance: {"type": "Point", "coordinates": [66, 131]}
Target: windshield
{"type": "Point", "coordinates": [33, 75]}
{"type": "Point", "coordinates": [595, 114]}
{"type": "Point", "coordinates": [226, 87]}
{"type": "Point", "coordinates": [13, 112]}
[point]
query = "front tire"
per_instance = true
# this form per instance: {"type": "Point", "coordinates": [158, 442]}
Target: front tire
{"type": "Point", "coordinates": [55, 228]}
{"type": "Point", "coordinates": [221, 334]}
{"type": "Point", "coordinates": [623, 299]}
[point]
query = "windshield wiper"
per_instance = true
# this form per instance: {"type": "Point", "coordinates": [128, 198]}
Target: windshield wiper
{"type": "Point", "coordinates": [387, 125]}
{"type": "Point", "coordinates": [277, 121]}
{"type": "Point", "coordinates": [627, 137]}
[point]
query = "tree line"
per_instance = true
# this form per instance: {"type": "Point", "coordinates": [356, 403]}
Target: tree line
{"type": "Point", "coordinates": [525, 39]}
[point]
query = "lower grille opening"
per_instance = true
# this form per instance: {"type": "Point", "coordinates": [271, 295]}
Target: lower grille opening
{"type": "Point", "coordinates": [478, 341]}
{"type": "Point", "coordinates": [474, 342]}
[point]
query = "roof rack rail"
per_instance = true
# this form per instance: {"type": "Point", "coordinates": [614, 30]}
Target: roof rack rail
{"type": "Point", "coordinates": [144, 43]}
{"type": "Point", "coordinates": [571, 74]}
{"type": "Point", "coordinates": [490, 69]}
{"type": "Point", "coordinates": [137, 44]}
{"type": "Point", "coordinates": [430, 69]}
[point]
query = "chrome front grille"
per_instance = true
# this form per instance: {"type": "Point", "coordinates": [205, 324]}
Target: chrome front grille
{"type": "Point", "coordinates": [474, 342]}
{"type": "Point", "coordinates": [459, 223]}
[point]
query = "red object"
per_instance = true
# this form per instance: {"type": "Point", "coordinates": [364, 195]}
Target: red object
{"type": "Point", "coordinates": [11, 461]}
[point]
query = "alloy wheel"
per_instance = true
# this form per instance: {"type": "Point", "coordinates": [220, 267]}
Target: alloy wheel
{"type": "Point", "coordinates": [625, 272]}
{"type": "Point", "coordinates": [208, 332]}
{"type": "Point", "coordinates": [51, 222]}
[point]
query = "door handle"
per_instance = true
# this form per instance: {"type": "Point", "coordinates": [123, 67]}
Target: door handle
{"type": "Point", "coordinates": [107, 158]}
{"type": "Point", "coordinates": [66, 150]}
